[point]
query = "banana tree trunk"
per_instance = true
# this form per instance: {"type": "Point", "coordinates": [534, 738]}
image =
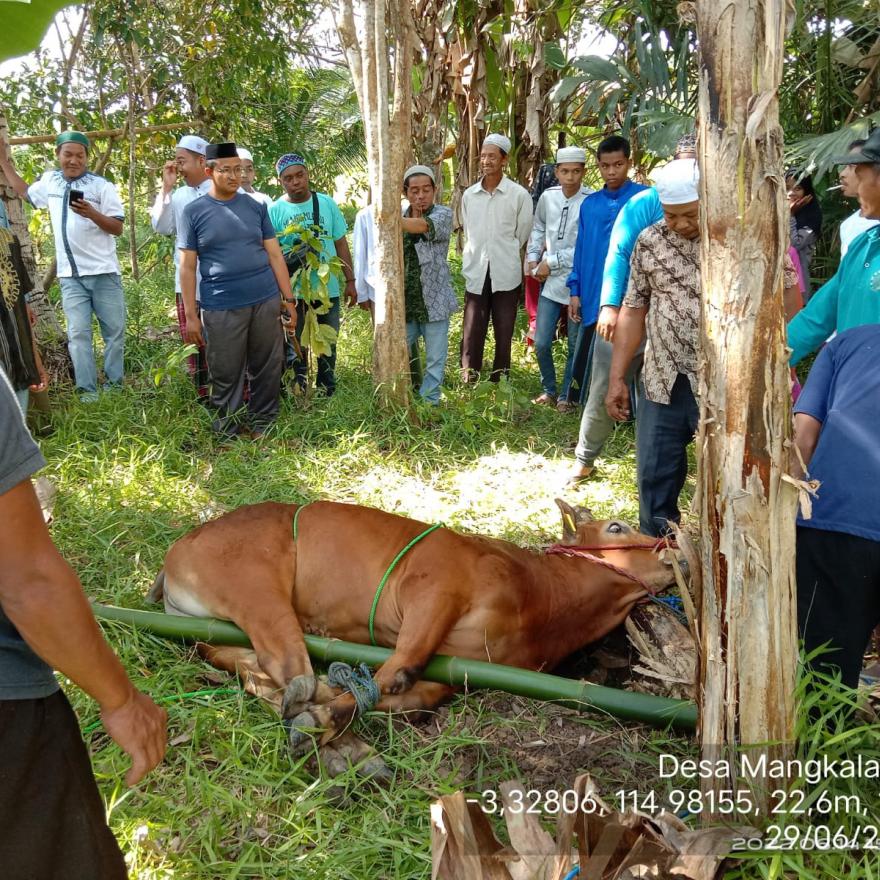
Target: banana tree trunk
{"type": "Point", "coordinates": [747, 509]}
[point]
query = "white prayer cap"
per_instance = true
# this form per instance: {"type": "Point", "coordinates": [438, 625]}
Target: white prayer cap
{"type": "Point", "coordinates": [418, 169]}
{"type": "Point", "coordinates": [244, 153]}
{"type": "Point", "coordinates": [498, 140]}
{"type": "Point", "coordinates": [677, 182]}
{"type": "Point", "coordinates": [571, 154]}
{"type": "Point", "coordinates": [193, 143]}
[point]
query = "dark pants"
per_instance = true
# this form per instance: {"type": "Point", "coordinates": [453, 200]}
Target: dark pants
{"type": "Point", "coordinates": [197, 364]}
{"type": "Point", "coordinates": [326, 377]}
{"type": "Point", "coordinates": [580, 364]}
{"type": "Point", "coordinates": [52, 820]}
{"type": "Point", "coordinates": [244, 341]}
{"type": "Point", "coordinates": [663, 432]}
{"type": "Point", "coordinates": [838, 585]}
{"type": "Point", "coordinates": [501, 306]}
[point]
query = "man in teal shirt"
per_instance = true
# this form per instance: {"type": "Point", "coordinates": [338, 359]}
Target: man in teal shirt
{"type": "Point", "coordinates": [298, 205]}
{"type": "Point", "coordinates": [852, 297]}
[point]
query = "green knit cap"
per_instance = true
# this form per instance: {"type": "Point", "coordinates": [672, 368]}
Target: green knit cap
{"type": "Point", "coordinates": [72, 137]}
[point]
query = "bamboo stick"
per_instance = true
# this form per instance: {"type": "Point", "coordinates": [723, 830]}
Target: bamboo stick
{"type": "Point", "coordinates": [578, 695]}
{"type": "Point", "coordinates": [101, 133]}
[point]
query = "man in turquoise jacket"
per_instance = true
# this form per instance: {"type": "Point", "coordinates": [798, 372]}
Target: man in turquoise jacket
{"type": "Point", "coordinates": [852, 297]}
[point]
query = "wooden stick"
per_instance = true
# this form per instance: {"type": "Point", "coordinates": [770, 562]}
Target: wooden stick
{"type": "Point", "coordinates": [103, 133]}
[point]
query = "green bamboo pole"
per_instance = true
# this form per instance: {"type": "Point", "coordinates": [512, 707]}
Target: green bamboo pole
{"type": "Point", "coordinates": [647, 708]}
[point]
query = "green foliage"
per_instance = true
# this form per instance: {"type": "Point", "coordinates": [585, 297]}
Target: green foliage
{"type": "Point", "coordinates": [24, 25]}
{"type": "Point", "coordinates": [311, 285]}
{"type": "Point", "coordinates": [175, 364]}
{"type": "Point", "coordinates": [646, 90]}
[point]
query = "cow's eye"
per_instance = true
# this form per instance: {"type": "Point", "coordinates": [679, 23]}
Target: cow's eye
{"type": "Point", "coordinates": [615, 528]}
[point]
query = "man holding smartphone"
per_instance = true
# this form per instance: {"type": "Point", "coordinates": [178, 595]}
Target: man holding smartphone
{"type": "Point", "coordinates": [86, 216]}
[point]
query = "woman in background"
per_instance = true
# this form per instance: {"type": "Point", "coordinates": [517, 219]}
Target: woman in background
{"type": "Point", "coordinates": [806, 222]}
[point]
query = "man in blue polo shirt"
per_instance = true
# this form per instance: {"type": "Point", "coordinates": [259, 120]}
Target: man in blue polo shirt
{"type": "Point", "coordinates": [838, 546]}
{"type": "Point", "coordinates": [228, 235]}
{"type": "Point", "coordinates": [86, 216]}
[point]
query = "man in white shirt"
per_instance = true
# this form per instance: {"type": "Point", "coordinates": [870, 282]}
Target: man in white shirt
{"type": "Point", "coordinates": [496, 214]}
{"type": "Point", "coordinates": [856, 223]}
{"type": "Point", "coordinates": [249, 175]}
{"type": "Point", "coordinates": [550, 256]}
{"type": "Point", "coordinates": [86, 216]}
{"type": "Point", "coordinates": [165, 216]}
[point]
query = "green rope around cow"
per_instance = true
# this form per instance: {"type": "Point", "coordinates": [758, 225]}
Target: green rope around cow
{"type": "Point", "coordinates": [372, 620]}
{"type": "Point", "coordinates": [358, 681]}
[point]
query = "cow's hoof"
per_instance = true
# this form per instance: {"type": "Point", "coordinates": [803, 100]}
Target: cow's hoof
{"type": "Point", "coordinates": [376, 770]}
{"type": "Point", "coordinates": [303, 733]}
{"type": "Point", "coordinates": [299, 692]}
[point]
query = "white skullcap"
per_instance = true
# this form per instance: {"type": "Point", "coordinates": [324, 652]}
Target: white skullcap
{"type": "Point", "coordinates": [244, 153]}
{"type": "Point", "coordinates": [193, 143]}
{"type": "Point", "coordinates": [418, 169]}
{"type": "Point", "coordinates": [498, 140]}
{"type": "Point", "coordinates": [571, 154]}
{"type": "Point", "coordinates": [677, 181]}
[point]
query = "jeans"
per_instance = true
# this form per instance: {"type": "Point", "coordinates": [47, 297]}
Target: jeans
{"type": "Point", "coordinates": [436, 335]}
{"type": "Point", "coordinates": [326, 377]}
{"type": "Point", "coordinates": [103, 296]}
{"type": "Point", "coordinates": [663, 432]}
{"type": "Point", "coordinates": [596, 424]}
{"type": "Point", "coordinates": [545, 331]}
{"type": "Point", "coordinates": [23, 398]}
{"type": "Point", "coordinates": [581, 360]}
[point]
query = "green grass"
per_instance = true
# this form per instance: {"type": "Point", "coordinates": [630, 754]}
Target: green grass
{"type": "Point", "coordinates": [140, 468]}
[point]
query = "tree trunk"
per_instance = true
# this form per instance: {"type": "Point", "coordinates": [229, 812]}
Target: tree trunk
{"type": "Point", "coordinates": [364, 28]}
{"type": "Point", "coordinates": [747, 509]}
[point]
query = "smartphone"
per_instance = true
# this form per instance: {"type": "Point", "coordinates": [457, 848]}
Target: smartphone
{"type": "Point", "coordinates": [76, 195]}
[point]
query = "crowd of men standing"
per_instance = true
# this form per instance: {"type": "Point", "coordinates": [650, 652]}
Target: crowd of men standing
{"type": "Point", "coordinates": [621, 264]}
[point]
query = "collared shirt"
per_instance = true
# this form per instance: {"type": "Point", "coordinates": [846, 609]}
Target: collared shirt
{"type": "Point", "coordinates": [554, 233]}
{"type": "Point", "coordinates": [81, 246]}
{"type": "Point", "coordinates": [853, 226]}
{"type": "Point", "coordinates": [364, 256]}
{"type": "Point", "coordinates": [428, 289]}
{"type": "Point", "coordinates": [166, 214]}
{"type": "Point", "coordinates": [598, 213]}
{"type": "Point", "coordinates": [497, 226]}
{"type": "Point", "coordinates": [849, 299]}
{"type": "Point", "coordinates": [665, 279]}
{"type": "Point", "coordinates": [640, 212]}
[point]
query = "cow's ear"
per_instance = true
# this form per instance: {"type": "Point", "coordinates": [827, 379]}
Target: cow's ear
{"type": "Point", "coordinates": [569, 518]}
{"type": "Point", "coordinates": [583, 515]}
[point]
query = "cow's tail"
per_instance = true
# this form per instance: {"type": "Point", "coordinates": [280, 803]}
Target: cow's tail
{"type": "Point", "coordinates": [158, 589]}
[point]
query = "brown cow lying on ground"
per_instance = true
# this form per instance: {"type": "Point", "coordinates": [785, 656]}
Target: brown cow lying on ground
{"type": "Point", "coordinates": [456, 594]}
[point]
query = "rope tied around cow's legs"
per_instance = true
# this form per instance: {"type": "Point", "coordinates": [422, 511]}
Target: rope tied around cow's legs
{"type": "Point", "coordinates": [359, 682]}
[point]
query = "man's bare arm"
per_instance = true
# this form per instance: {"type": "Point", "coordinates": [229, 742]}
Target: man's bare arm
{"type": "Point", "coordinates": [806, 436]}
{"type": "Point", "coordinates": [42, 596]}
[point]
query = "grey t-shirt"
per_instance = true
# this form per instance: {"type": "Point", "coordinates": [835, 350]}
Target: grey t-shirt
{"type": "Point", "coordinates": [23, 675]}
